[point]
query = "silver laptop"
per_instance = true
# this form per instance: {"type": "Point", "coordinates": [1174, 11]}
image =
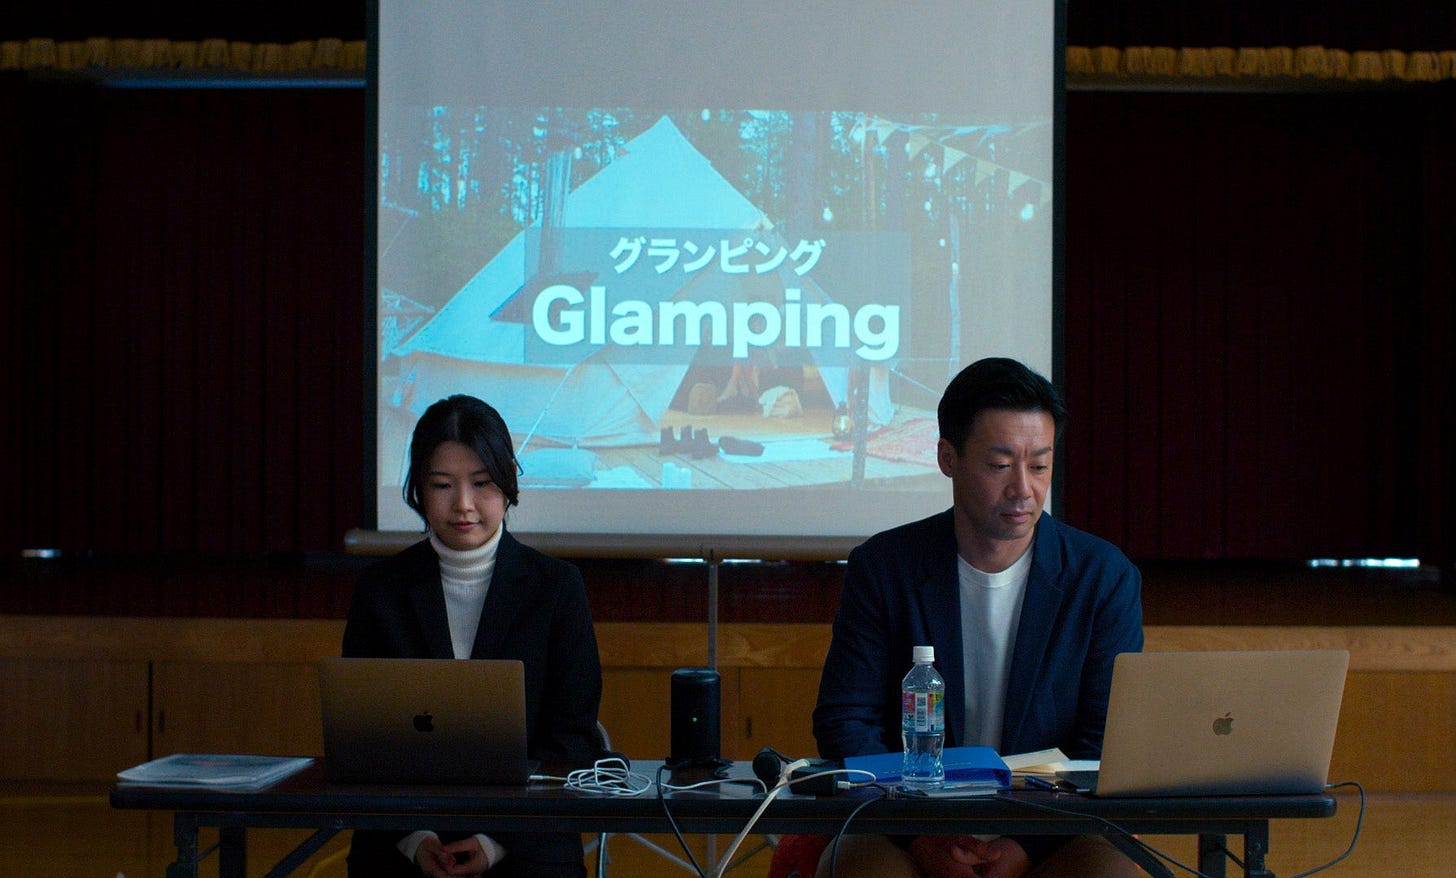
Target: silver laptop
{"type": "Point", "coordinates": [424, 721]}
{"type": "Point", "coordinates": [1219, 723]}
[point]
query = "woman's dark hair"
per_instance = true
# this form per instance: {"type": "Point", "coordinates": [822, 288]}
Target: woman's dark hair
{"type": "Point", "coordinates": [995, 383]}
{"type": "Point", "coordinates": [472, 423]}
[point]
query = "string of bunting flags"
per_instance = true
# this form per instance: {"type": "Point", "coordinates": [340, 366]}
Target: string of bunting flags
{"type": "Point", "coordinates": [922, 137]}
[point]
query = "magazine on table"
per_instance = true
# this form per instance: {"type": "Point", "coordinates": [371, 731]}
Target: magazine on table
{"type": "Point", "coordinates": [236, 771]}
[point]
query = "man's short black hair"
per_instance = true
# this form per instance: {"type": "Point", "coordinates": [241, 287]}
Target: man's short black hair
{"type": "Point", "coordinates": [995, 383]}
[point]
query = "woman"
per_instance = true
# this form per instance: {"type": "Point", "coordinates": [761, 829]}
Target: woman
{"type": "Point", "coordinates": [471, 591]}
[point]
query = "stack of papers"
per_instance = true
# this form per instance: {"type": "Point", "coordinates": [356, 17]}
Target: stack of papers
{"type": "Point", "coordinates": [1046, 764]}
{"type": "Point", "coordinates": [215, 770]}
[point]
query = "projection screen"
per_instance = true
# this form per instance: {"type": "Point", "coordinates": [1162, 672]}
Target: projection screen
{"type": "Point", "coordinates": [713, 262]}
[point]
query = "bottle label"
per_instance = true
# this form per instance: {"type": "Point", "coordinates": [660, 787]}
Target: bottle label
{"type": "Point", "coordinates": [923, 711]}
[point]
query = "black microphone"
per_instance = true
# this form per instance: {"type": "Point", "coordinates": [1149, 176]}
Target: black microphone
{"type": "Point", "coordinates": [774, 768]}
{"type": "Point", "coordinates": [768, 764]}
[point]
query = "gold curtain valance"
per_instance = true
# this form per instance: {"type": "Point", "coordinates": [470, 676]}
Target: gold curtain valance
{"type": "Point", "coordinates": [1100, 63]}
{"type": "Point", "coordinates": [1273, 63]}
{"type": "Point", "coordinates": [100, 53]}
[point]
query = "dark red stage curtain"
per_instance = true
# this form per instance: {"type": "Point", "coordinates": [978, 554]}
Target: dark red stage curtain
{"type": "Point", "coordinates": [188, 320]}
{"type": "Point", "coordinates": [1435, 447]}
{"type": "Point", "coordinates": [12, 93]}
{"type": "Point", "coordinates": [1258, 323]}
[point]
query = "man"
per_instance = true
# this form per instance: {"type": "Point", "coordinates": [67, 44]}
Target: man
{"type": "Point", "coordinates": [1025, 613]}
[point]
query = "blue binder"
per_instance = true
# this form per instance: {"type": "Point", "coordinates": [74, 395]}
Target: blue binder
{"type": "Point", "coordinates": [963, 765]}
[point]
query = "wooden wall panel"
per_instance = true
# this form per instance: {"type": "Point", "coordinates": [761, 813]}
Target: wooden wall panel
{"type": "Point", "coordinates": [1397, 731]}
{"type": "Point", "coordinates": [71, 719]}
{"type": "Point", "coordinates": [236, 707]}
{"type": "Point", "coordinates": [777, 710]}
{"type": "Point", "coordinates": [251, 685]}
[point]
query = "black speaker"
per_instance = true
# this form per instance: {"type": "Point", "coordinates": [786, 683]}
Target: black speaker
{"type": "Point", "coordinates": [695, 736]}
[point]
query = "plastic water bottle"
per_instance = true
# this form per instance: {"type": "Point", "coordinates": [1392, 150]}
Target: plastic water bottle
{"type": "Point", "coordinates": [922, 723]}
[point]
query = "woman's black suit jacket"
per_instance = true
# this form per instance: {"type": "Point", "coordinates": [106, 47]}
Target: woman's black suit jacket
{"type": "Point", "coordinates": [535, 611]}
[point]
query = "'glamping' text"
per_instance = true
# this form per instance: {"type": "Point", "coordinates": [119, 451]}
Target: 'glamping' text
{"type": "Point", "coordinates": [561, 315]}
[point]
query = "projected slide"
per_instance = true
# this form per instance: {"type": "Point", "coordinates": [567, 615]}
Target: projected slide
{"type": "Point", "coordinates": [687, 314]}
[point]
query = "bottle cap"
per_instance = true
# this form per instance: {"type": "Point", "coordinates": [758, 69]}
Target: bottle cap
{"type": "Point", "coordinates": [923, 654]}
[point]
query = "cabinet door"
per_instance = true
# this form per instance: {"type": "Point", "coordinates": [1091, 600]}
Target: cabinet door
{"type": "Point", "coordinates": [776, 709]}
{"type": "Point", "coordinates": [237, 707]}
{"type": "Point", "coordinates": [636, 711]}
{"type": "Point", "coordinates": [1397, 731]}
{"type": "Point", "coordinates": [71, 720]}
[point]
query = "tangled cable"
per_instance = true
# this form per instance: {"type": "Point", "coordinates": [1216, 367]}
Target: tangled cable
{"type": "Point", "coordinates": [609, 777]}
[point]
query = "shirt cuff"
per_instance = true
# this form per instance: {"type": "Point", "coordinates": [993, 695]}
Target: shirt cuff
{"type": "Point", "coordinates": [411, 843]}
{"type": "Point", "coordinates": [493, 850]}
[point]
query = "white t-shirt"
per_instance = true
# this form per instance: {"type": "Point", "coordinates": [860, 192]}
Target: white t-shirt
{"type": "Point", "coordinates": [990, 614]}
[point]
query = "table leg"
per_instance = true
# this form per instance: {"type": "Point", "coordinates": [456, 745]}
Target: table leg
{"type": "Point", "coordinates": [1139, 854]}
{"type": "Point", "coordinates": [306, 849]}
{"type": "Point", "coordinates": [1211, 859]}
{"type": "Point", "coordinates": [232, 854]}
{"type": "Point", "coordinates": [184, 837]}
{"type": "Point", "coordinates": [1256, 847]}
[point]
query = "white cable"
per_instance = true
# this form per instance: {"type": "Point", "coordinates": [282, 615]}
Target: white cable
{"type": "Point", "coordinates": [786, 780]}
{"type": "Point", "coordinates": [869, 776]}
{"type": "Point", "coordinates": [711, 782]}
{"type": "Point", "coordinates": [609, 777]}
{"type": "Point", "coordinates": [738, 839]}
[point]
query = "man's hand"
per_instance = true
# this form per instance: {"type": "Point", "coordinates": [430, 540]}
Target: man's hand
{"type": "Point", "coordinates": [463, 857]}
{"type": "Point", "coordinates": [965, 856]}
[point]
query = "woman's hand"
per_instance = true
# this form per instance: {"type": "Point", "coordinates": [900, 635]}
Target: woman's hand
{"type": "Point", "coordinates": [463, 857]}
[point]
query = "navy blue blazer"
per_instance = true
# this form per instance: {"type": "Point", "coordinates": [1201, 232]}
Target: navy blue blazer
{"type": "Point", "coordinates": [1081, 608]}
{"type": "Point", "coordinates": [535, 611]}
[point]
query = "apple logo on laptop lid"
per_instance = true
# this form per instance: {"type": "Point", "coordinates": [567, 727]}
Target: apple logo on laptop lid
{"type": "Point", "coordinates": [1224, 725]}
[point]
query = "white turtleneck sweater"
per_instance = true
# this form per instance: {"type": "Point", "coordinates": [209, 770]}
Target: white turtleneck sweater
{"type": "Point", "coordinates": [465, 578]}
